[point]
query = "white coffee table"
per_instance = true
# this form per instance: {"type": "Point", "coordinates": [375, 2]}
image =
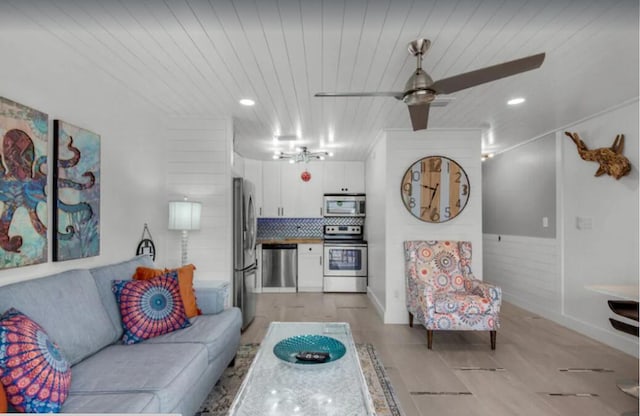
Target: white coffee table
{"type": "Point", "coordinates": [273, 387]}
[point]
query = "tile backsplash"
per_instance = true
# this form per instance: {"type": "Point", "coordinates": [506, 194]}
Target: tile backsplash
{"type": "Point", "coordinates": [274, 228]}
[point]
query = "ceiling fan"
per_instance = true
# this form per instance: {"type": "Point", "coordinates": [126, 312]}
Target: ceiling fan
{"type": "Point", "coordinates": [421, 91]}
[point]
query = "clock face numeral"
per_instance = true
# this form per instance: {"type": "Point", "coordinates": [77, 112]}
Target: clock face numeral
{"type": "Point", "coordinates": [435, 165]}
{"type": "Point", "coordinates": [435, 189]}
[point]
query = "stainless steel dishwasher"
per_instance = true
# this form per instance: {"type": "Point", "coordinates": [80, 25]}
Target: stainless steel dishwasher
{"type": "Point", "coordinates": [279, 267]}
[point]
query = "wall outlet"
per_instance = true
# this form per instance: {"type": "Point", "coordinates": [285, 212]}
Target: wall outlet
{"type": "Point", "coordinates": [396, 294]}
{"type": "Point", "coordinates": [545, 222]}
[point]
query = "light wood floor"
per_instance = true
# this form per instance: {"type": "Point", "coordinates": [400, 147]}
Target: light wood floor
{"type": "Point", "coordinates": [530, 351]}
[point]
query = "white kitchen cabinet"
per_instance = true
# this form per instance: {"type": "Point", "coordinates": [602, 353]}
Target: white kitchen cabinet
{"type": "Point", "coordinates": [285, 194]}
{"type": "Point", "coordinates": [271, 201]}
{"type": "Point", "coordinates": [301, 199]}
{"type": "Point", "coordinates": [309, 267]}
{"type": "Point", "coordinates": [343, 177]}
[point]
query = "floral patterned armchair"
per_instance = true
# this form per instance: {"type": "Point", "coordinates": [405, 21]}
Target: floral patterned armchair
{"type": "Point", "coordinates": [443, 294]}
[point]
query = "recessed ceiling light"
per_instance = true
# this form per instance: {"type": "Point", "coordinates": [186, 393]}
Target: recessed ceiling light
{"type": "Point", "coordinates": [486, 156]}
{"type": "Point", "coordinates": [516, 101]}
{"type": "Point", "coordinates": [248, 102]}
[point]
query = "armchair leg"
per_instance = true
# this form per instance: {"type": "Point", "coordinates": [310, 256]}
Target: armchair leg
{"type": "Point", "coordinates": [410, 320]}
{"type": "Point", "coordinates": [429, 338]}
{"type": "Point", "coordinates": [493, 334]}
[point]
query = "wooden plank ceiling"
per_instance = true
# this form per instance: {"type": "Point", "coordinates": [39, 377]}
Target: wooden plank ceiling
{"type": "Point", "coordinates": [199, 57]}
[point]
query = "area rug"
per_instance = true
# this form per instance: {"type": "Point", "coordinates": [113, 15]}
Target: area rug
{"type": "Point", "coordinates": [221, 397]}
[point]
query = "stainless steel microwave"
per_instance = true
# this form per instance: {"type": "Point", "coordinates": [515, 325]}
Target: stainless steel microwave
{"type": "Point", "coordinates": [344, 205]}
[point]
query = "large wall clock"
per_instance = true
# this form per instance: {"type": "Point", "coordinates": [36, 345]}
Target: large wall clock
{"type": "Point", "coordinates": [435, 189]}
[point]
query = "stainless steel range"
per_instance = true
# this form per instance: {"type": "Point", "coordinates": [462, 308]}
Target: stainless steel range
{"type": "Point", "coordinates": [345, 259]}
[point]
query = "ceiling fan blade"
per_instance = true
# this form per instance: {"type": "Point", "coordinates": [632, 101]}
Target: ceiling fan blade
{"type": "Point", "coordinates": [488, 74]}
{"type": "Point", "coordinates": [396, 94]}
{"type": "Point", "coordinates": [419, 116]}
{"type": "Point", "coordinates": [442, 100]}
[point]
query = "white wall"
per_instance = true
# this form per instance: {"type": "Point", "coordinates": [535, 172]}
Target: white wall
{"type": "Point", "coordinates": [132, 150]}
{"type": "Point", "coordinates": [549, 276]}
{"type": "Point", "coordinates": [147, 158]}
{"type": "Point", "coordinates": [608, 253]}
{"type": "Point", "coordinates": [403, 148]}
{"type": "Point", "coordinates": [375, 221]}
{"type": "Point", "coordinates": [199, 167]}
{"type": "Point", "coordinates": [527, 269]}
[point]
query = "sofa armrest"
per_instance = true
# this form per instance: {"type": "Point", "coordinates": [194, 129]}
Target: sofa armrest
{"type": "Point", "coordinates": [212, 299]}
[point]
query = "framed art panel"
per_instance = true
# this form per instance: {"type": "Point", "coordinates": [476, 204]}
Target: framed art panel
{"type": "Point", "coordinates": [76, 217]}
{"type": "Point", "coordinates": [23, 183]}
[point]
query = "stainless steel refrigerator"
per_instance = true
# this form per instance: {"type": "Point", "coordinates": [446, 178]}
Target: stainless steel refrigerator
{"type": "Point", "coordinates": [244, 250]}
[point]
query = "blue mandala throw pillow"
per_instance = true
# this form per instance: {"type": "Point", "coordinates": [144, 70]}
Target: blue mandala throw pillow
{"type": "Point", "coordinates": [35, 374]}
{"type": "Point", "coordinates": [150, 307]}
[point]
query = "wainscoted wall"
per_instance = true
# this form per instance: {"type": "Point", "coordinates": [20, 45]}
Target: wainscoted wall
{"type": "Point", "coordinates": [199, 167]}
{"type": "Point", "coordinates": [552, 276]}
{"type": "Point", "coordinates": [527, 269]}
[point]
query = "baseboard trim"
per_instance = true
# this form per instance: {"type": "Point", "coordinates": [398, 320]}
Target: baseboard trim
{"type": "Point", "coordinates": [376, 303]}
{"type": "Point", "coordinates": [610, 338]}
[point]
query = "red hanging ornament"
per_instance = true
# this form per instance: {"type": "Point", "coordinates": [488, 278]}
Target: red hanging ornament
{"type": "Point", "coordinates": [305, 176]}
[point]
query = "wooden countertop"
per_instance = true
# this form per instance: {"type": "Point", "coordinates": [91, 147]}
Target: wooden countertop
{"type": "Point", "coordinates": [292, 241]}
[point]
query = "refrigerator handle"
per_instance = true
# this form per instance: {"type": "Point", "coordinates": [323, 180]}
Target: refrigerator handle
{"type": "Point", "coordinates": [321, 211]}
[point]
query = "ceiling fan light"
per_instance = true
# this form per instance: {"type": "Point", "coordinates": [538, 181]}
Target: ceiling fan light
{"type": "Point", "coordinates": [419, 97]}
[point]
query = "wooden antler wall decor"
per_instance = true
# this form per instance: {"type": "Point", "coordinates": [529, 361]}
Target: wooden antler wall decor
{"type": "Point", "coordinates": [611, 160]}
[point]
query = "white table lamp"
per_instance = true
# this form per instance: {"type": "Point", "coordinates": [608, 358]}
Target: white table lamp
{"type": "Point", "coordinates": [184, 216]}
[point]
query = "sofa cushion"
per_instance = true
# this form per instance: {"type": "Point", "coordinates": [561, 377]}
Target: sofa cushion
{"type": "Point", "coordinates": [103, 277]}
{"type": "Point", "coordinates": [32, 368]}
{"type": "Point", "coordinates": [150, 307]}
{"type": "Point", "coordinates": [212, 331]}
{"type": "Point", "coordinates": [185, 278]}
{"type": "Point", "coordinates": [68, 306]}
{"type": "Point", "coordinates": [167, 370]}
{"type": "Point", "coordinates": [135, 402]}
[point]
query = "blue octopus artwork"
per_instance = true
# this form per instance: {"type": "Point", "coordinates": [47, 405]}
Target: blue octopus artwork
{"type": "Point", "coordinates": [77, 193]}
{"type": "Point", "coordinates": [23, 182]}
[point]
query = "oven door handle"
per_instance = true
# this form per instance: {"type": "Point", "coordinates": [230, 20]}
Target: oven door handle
{"type": "Point", "coordinates": [345, 245]}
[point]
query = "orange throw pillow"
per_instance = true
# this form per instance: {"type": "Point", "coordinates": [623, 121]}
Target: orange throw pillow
{"type": "Point", "coordinates": [185, 279]}
{"type": "Point", "coordinates": [3, 400]}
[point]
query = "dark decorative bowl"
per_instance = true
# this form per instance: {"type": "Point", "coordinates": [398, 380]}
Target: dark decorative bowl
{"type": "Point", "coordinates": [288, 348]}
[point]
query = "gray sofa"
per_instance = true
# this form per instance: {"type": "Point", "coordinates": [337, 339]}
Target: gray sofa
{"type": "Point", "coordinates": [172, 373]}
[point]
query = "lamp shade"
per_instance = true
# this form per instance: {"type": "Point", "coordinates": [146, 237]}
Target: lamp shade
{"type": "Point", "coordinates": [184, 215]}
